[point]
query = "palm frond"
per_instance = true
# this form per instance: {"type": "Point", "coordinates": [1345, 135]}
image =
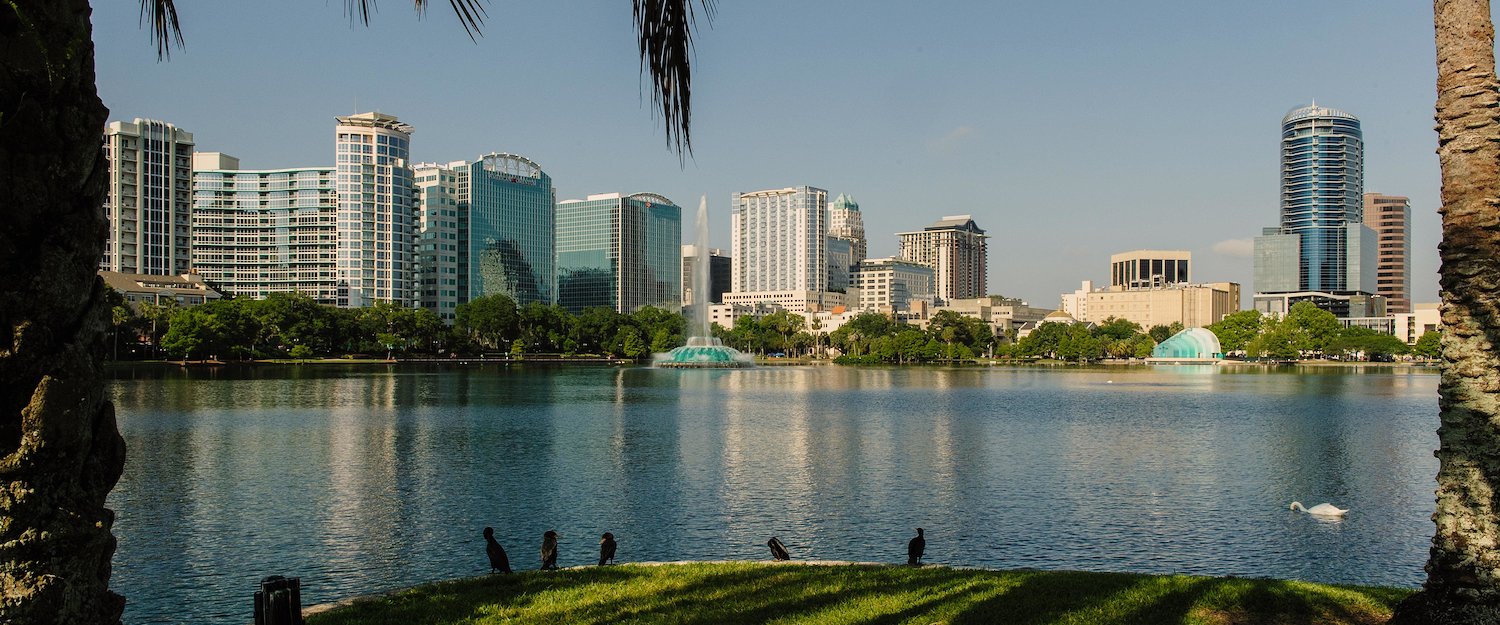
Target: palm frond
{"type": "Point", "coordinates": [164, 27]}
{"type": "Point", "coordinates": [666, 40]}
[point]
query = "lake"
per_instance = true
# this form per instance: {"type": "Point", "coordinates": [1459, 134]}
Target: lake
{"type": "Point", "coordinates": [365, 478]}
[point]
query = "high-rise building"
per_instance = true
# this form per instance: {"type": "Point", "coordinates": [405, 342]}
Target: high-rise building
{"type": "Point", "coordinates": [1147, 269]}
{"type": "Point", "coordinates": [1390, 217]}
{"type": "Point", "coordinates": [622, 252]}
{"type": "Point", "coordinates": [149, 199]}
{"type": "Point", "coordinates": [375, 210]}
{"type": "Point", "coordinates": [485, 227]}
{"type": "Point", "coordinates": [955, 247]}
{"type": "Point", "coordinates": [840, 263]}
{"type": "Point", "coordinates": [779, 240]}
{"type": "Point", "coordinates": [1322, 188]}
{"type": "Point", "coordinates": [720, 266]}
{"type": "Point", "coordinates": [436, 247]}
{"type": "Point", "coordinates": [846, 222]}
{"type": "Point", "coordinates": [257, 232]}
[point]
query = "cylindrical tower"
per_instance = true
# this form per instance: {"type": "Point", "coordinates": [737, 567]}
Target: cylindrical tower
{"type": "Point", "coordinates": [1322, 188]}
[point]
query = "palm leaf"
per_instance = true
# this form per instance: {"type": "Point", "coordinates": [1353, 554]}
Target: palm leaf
{"type": "Point", "coordinates": [164, 27]}
{"type": "Point", "coordinates": [666, 41]}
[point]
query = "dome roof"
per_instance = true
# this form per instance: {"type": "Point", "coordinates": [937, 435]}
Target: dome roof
{"type": "Point", "coordinates": [1189, 343]}
{"type": "Point", "coordinates": [1058, 315]}
{"type": "Point", "coordinates": [1313, 110]}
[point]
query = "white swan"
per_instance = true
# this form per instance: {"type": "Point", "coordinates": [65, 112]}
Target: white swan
{"type": "Point", "coordinates": [1322, 509]}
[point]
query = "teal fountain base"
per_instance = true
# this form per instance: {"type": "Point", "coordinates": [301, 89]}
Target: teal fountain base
{"type": "Point", "coordinates": [704, 353]}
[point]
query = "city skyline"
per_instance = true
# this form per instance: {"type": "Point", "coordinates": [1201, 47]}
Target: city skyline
{"type": "Point", "coordinates": [992, 121]}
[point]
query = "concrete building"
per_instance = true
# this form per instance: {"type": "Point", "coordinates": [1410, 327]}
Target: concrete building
{"type": "Point", "coordinates": [955, 247]}
{"type": "Point", "coordinates": [1390, 217]}
{"type": "Point", "coordinates": [892, 285]}
{"type": "Point", "coordinates": [257, 232]}
{"type": "Point", "coordinates": [1423, 318]}
{"type": "Point", "coordinates": [622, 252]}
{"type": "Point", "coordinates": [794, 301]}
{"type": "Point", "coordinates": [719, 269]}
{"type": "Point", "coordinates": [1076, 303]}
{"type": "Point", "coordinates": [183, 290]}
{"type": "Point", "coordinates": [375, 206]}
{"type": "Point", "coordinates": [486, 227]}
{"type": "Point", "coordinates": [1005, 315]}
{"type": "Point", "coordinates": [149, 198]}
{"type": "Point", "coordinates": [780, 240]}
{"type": "Point", "coordinates": [1192, 305]}
{"type": "Point", "coordinates": [1145, 269]}
{"type": "Point", "coordinates": [847, 223]}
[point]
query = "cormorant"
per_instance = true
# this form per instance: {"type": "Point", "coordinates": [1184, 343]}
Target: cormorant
{"type": "Point", "coordinates": [915, 548]}
{"type": "Point", "coordinates": [606, 549]}
{"type": "Point", "coordinates": [549, 550]}
{"type": "Point", "coordinates": [498, 560]}
{"type": "Point", "coordinates": [778, 550]}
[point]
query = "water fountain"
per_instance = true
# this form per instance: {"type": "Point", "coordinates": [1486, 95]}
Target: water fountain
{"type": "Point", "coordinates": [702, 351]}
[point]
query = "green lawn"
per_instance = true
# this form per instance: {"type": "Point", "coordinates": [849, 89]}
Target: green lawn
{"type": "Point", "coordinates": [727, 594]}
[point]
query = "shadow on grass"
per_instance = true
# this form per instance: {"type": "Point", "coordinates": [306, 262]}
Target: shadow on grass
{"type": "Point", "coordinates": [730, 594]}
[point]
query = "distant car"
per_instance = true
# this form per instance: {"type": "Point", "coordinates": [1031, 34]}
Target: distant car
{"type": "Point", "coordinates": [777, 354]}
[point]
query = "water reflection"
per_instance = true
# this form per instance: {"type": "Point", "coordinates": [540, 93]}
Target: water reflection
{"type": "Point", "coordinates": [365, 478]}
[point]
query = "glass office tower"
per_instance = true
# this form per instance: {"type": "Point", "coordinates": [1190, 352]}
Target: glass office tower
{"type": "Point", "coordinates": [1322, 192]}
{"type": "Point", "coordinates": [619, 251]}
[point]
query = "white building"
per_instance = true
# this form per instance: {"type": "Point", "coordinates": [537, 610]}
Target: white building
{"type": "Point", "coordinates": [149, 199]}
{"type": "Point", "coordinates": [779, 240]}
{"type": "Point", "coordinates": [257, 232]}
{"type": "Point", "coordinates": [847, 223]}
{"type": "Point", "coordinates": [893, 285]}
{"type": "Point", "coordinates": [1422, 319]}
{"type": "Point", "coordinates": [1076, 303]}
{"type": "Point", "coordinates": [375, 208]}
{"type": "Point", "coordinates": [955, 247]}
{"type": "Point", "coordinates": [436, 247]}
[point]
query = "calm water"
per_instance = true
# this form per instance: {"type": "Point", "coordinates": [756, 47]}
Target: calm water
{"type": "Point", "coordinates": [364, 479]}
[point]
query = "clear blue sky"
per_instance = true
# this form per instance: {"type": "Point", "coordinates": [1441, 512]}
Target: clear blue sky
{"type": "Point", "coordinates": [1070, 130]}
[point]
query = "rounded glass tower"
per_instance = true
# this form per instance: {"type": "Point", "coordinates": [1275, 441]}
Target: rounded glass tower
{"type": "Point", "coordinates": [1322, 189]}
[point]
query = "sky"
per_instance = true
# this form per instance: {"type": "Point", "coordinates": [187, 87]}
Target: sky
{"type": "Point", "coordinates": [1069, 130]}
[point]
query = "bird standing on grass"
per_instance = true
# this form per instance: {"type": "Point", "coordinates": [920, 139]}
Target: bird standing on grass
{"type": "Point", "coordinates": [498, 561]}
{"type": "Point", "coordinates": [549, 550]}
{"type": "Point", "coordinates": [606, 549]}
{"type": "Point", "coordinates": [915, 548]}
{"type": "Point", "coordinates": [778, 550]}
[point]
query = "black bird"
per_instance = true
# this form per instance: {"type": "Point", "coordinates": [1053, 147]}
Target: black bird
{"type": "Point", "coordinates": [606, 549]}
{"type": "Point", "coordinates": [549, 550]}
{"type": "Point", "coordinates": [915, 548]}
{"type": "Point", "coordinates": [778, 550]}
{"type": "Point", "coordinates": [498, 560]}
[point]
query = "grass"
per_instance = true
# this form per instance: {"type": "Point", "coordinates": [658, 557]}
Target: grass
{"type": "Point", "coordinates": [732, 593]}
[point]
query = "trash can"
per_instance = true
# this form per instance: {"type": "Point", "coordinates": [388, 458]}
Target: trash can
{"type": "Point", "coordinates": [279, 601]}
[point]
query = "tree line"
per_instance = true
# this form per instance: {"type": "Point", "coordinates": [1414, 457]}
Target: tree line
{"type": "Point", "coordinates": [292, 325]}
{"type": "Point", "coordinates": [1307, 331]}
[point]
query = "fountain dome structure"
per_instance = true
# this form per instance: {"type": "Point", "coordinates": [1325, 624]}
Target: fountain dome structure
{"type": "Point", "coordinates": [702, 351]}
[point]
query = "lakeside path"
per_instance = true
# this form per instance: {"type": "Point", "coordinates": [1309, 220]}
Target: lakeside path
{"type": "Point", "coordinates": [729, 593]}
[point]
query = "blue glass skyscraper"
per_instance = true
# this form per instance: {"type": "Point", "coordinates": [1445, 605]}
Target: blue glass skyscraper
{"type": "Point", "coordinates": [1322, 196]}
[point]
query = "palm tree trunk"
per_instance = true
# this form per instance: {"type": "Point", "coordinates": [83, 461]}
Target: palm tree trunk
{"type": "Point", "coordinates": [1463, 571]}
{"type": "Point", "coordinates": [60, 452]}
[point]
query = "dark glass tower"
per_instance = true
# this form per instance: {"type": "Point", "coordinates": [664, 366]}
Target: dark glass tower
{"type": "Point", "coordinates": [1322, 188]}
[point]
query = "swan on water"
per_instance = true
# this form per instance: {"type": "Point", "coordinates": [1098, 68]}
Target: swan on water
{"type": "Point", "coordinates": [1322, 509]}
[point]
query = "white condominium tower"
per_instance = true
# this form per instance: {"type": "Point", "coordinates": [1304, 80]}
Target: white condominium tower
{"type": "Point", "coordinates": [265, 231]}
{"type": "Point", "coordinates": [780, 240]}
{"type": "Point", "coordinates": [375, 210]}
{"type": "Point", "coordinates": [149, 202]}
{"type": "Point", "coordinates": [955, 247]}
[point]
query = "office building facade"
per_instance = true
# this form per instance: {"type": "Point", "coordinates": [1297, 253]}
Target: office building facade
{"type": "Point", "coordinates": [622, 252]}
{"type": "Point", "coordinates": [486, 227]}
{"type": "Point", "coordinates": [258, 232]}
{"type": "Point", "coordinates": [149, 198]}
{"type": "Point", "coordinates": [893, 284]}
{"type": "Point", "coordinates": [956, 249]}
{"type": "Point", "coordinates": [1390, 217]}
{"type": "Point", "coordinates": [1145, 269]}
{"type": "Point", "coordinates": [720, 266]}
{"type": "Point", "coordinates": [375, 206]}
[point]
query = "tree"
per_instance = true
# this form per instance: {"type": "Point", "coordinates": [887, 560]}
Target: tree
{"type": "Point", "coordinates": [1236, 330]}
{"type": "Point", "coordinates": [1160, 333]}
{"type": "Point", "coordinates": [1117, 329]}
{"type": "Point", "coordinates": [1464, 566]}
{"type": "Point", "coordinates": [1428, 345]}
{"type": "Point", "coordinates": [490, 321]}
{"type": "Point", "coordinates": [63, 452]}
{"type": "Point", "coordinates": [1310, 328]}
